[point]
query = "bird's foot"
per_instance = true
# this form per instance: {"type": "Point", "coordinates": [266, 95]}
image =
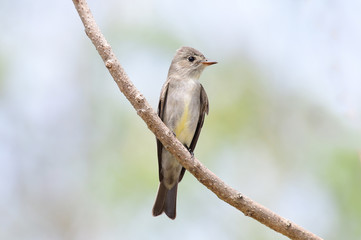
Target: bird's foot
{"type": "Point", "coordinates": [190, 151]}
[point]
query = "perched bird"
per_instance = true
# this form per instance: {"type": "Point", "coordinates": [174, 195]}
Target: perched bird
{"type": "Point", "coordinates": [182, 106]}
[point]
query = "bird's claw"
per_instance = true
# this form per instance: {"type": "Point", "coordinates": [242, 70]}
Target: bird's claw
{"type": "Point", "coordinates": [190, 151]}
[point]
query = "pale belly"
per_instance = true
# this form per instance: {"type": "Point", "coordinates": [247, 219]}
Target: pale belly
{"type": "Point", "coordinates": [181, 116]}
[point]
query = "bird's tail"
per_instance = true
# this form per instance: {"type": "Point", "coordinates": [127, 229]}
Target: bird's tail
{"type": "Point", "coordinates": [166, 201]}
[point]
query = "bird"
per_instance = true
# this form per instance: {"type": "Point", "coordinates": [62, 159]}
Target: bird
{"type": "Point", "coordinates": [182, 106]}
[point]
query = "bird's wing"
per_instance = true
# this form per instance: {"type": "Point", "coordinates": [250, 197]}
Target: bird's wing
{"type": "Point", "coordinates": [204, 108]}
{"type": "Point", "coordinates": [161, 105]}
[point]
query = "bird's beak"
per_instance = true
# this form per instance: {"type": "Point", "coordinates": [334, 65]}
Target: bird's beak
{"type": "Point", "coordinates": [208, 63]}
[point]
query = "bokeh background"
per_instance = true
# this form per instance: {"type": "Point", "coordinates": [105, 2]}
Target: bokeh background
{"type": "Point", "coordinates": [76, 162]}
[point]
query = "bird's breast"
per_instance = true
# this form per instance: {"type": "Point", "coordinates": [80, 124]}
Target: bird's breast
{"type": "Point", "coordinates": [183, 106]}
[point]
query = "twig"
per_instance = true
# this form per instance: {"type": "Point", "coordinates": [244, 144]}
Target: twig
{"type": "Point", "coordinates": [155, 124]}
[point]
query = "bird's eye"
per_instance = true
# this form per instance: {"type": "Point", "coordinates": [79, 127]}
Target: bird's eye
{"type": "Point", "coordinates": [191, 58]}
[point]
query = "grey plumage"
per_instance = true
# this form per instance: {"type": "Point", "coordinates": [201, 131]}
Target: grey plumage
{"type": "Point", "coordinates": [182, 106]}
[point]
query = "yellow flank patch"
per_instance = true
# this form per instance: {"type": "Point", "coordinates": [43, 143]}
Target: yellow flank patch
{"type": "Point", "coordinates": [181, 128]}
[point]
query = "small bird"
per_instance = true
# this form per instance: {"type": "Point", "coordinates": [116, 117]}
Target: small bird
{"type": "Point", "coordinates": [182, 107]}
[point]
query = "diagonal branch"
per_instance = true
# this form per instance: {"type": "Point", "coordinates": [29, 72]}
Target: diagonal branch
{"type": "Point", "coordinates": [155, 124]}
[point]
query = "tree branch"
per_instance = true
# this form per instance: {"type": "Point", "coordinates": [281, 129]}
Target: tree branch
{"type": "Point", "coordinates": [155, 124]}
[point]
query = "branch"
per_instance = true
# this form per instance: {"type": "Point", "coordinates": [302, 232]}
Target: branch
{"type": "Point", "coordinates": [155, 124]}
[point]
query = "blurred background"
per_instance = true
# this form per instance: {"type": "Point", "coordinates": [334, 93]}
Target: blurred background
{"type": "Point", "coordinates": [76, 162]}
